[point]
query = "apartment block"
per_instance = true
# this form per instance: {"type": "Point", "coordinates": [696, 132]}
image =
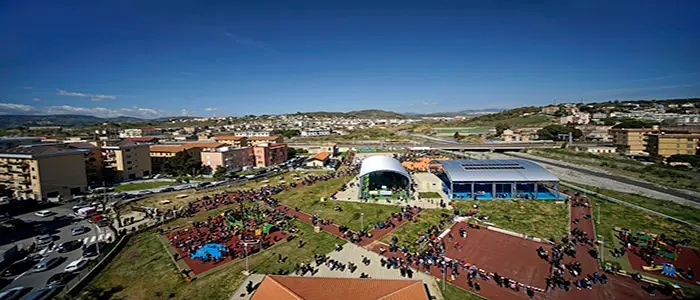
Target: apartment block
{"type": "Point", "coordinates": [126, 160]}
{"type": "Point", "coordinates": [232, 140]}
{"type": "Point", "coordinates": [94, 162]}
{"type": "Point", "coordinates": [233, 159]}
{"type": "Point", "coordinates": [664, 145]}
{"type": "Point", "coordinates": [161, 153]}
{"type": "Point", "coordinates": [270, 154]}
{"type": "Point", "coordinates": [257, 140]}
{"type": "Point", "coordinates": [631, 140]}
{"type": "Point", "coordinates": [41, 172]}
{"type": "Point", "coordinates": [252, 133]}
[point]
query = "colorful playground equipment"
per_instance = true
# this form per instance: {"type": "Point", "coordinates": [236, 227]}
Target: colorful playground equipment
{"type": "Point", "coordinates": [666, 269]}
{"type": "Point", "coordinates": [214, 251]}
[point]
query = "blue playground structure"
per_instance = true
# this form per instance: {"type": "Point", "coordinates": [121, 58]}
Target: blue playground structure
{"type": "Point", "coordinates": [214, 251]}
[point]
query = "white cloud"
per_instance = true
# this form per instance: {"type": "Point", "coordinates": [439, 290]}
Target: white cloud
{"type": "Point", "coordinates": [36, 99]}
{"type": "Point", "coordinates": [211, 109]}
{"type": "Point", "coordinates": [185, 112]}
{"type": "Point", "coordinates": [10, 108]}
{"type": "Point", "coordinates": [138, 112]}
{"type": "Point", "coordinates": [93, 97]}
{"type": "Point", "coordinates": [28, 87]}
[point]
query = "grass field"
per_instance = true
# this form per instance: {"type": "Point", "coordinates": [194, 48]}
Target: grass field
{"type": "Point", "coordinates": [429, 195]}
{"type": "Point", "coordinates": [453, 292]}
{"type": "Point", "coordinates": [142, 186]}
{"type": "Point", "coordinates": [407, 234]}
{"type": "Point", "coordinates": [309, 200]}
{"type": "Point", "coordinates": [143, 270]}
{"type": "Point", "coordinates": [685, 213]}
{"type": "Point", "coordinates": [539, 218]}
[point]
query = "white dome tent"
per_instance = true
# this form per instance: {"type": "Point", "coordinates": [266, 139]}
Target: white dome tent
{"type": "Point", "coordinates": [382, 171]}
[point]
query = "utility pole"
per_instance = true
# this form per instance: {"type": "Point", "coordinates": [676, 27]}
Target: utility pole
{"type": "Point", "coordinates": [599, 213]}
{"type": "Point", "coordinates": [362, 221]}
{"type": "Point", "coordinates": [245, 247]}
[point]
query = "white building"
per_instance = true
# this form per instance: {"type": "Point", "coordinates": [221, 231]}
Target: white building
{"type": "Point", "coordinates": [601, 149]}
{"type": "Point", "coordinates": [315, 132]}
{"type": "Point", "coordinates": [252, 133]}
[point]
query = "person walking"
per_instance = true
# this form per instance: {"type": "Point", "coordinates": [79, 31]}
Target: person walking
{"type": "Point", "coordinates": [477, 287]}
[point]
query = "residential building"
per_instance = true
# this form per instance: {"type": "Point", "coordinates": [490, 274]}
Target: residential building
{"type": "Point", "coordinates": [666, 144]}
{"type": "Point", "coordinates": [205, 146]}
{"type": "Point", "coordinates": [256, 140]}
{"type": "Point", "coordinates": [318, 160]}
{"type": "Point", "coordinates": [14, 141]}
{"type": "Point", "coordinates": [233, 159]}
{"type": "Point", "coordinates": [631, 140]}
{"type": "Point", "coordinates": [596, 133]}
{"type": "Point", "coordinates": [232, 140]}
{"type": "Point", "coordinates": [550, 109]}
{"type": "Point", "coordinates": [577, 118]}
{"type": "Point", "coordinates": [331, 148]}
{"type": "Point", "coordinates": [315, 132]}
{"type": "Point", "coordinates": [270, 154]}
{"type": "Point", "coordinates": [138, 140]}
{"type": "Point", "coordinates": [126, 160]}
{"type": "Point", "coordinates": [161, 153]}
{"type": "Point", "coordinates": [139, 132]}
{"type": "Point", "coordinates": [43, 171]}
{"type": "Point", "coordinates": [252, 133]}
{"type": "Point", "coordinates": [94, 162]}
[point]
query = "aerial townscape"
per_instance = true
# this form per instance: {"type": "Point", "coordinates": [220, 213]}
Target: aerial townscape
{"type": "Point", "coordinates": [349, 151]}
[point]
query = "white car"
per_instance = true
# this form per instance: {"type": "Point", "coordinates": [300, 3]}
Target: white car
{"type": "Point", "coordinates": [43, 213]}
{"type": "Point", "coordinates": [76, 265]}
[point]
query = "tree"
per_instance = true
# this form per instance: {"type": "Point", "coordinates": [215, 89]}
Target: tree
{"type": "Point", "coordinates": [693, 160]}
{"type": "Point", "coordinates": [500, 127]}
{"type": "Point", "coordinates": [220, 173]}
{"type": "Point", "coordinates": [293, 152]}
{"type": "Point", "coordinates": [552, 132]}
{"type": "Point", "coordinates": [457, 136]}
{"type": "Point", "coordinates": [183, 164]}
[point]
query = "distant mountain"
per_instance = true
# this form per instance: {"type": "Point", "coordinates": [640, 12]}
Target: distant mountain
{"type": "Point", "coordinates": [362, 114]}
{"type": "Point", "coordinates": [10, 121]}
{"type": "Point", "coordinates": [457, 113]}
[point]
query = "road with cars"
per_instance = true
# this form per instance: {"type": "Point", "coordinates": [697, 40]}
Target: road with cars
{"type": "Point", "coordinates": [59, 226]}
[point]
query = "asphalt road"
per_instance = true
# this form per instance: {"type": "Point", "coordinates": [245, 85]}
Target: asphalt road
{"type": "Point", "coordinates": [60, 226]}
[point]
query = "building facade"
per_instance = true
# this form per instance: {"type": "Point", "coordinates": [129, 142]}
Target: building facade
{"type": "Point", "coordinates": [252, 133]}
{"type": "Point", "coordinates": [631, 140]}
{"type": "Point", "coordinates": [232, 140]}
{"type": "Point", "coordinates": [270, 154]}
{"type": "Point", "coordinates": [11, 142]}
{"type": "Point", "coordinates": [257, 140]}
{"type": "Point", "coordinates": [126, 160]}
{"type": "Point", "coordinates": [664, 145]}
{"type": "Point", "coordinates": [41, 172]}
{"type": "Point", "coordinates": [315, 132]}
{"type": "Point", "coordinates": [233, 159]}
{"type": "Point", "coordinates": [160, 154]}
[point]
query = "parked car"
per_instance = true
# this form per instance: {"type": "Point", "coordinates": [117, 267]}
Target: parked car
{"type": "Point", "coordinates": [48, 263]}
{"type": "Point", "coordinates": [76, 265]}
{"type": "Point", "coordinates": [167, 190]}
{"type": "Point", "coordinates": [18, 267]}
{"type": "Point", "coordinates": [92, 250]}
{"type": "Point", "coordinates": [69, 246]}
{"type": "Point", "coordinates": [14, 293]}
{"type": "Point", "coordinates": [44, 213]}
{"type": "Point", "coordinates": [60, 278]}
{"type": "Point", "coordinates": [79, 230]}
{"type": "Point", "coordinates": [44, 239]}
{"type": "Point", "coordinates": [45, 293]}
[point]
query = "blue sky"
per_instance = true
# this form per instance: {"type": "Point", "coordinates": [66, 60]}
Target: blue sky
{"type": "Point", "coordinates": [145, 59]}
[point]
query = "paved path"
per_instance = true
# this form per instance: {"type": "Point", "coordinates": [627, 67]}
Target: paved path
{"type": "Point", "coordinates": [241, 293]}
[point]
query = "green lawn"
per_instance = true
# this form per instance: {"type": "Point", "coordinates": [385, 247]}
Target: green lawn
{"type": "Point", "coordinates": [539, 218]}
{"type": "Point", "coordinates": [453, 292]}
{"type": "Point", "coordinates": [685, 213]}
{"type": "Point", "coordinates": [429, 195]}
{"type": "Point", "coordinates": [143, 270]}
{"type": "Point", "coordinates": [308, 199]}
{"type": "Point", "coordinates": [142, 185]}
{"type": "Point", "coordinates": [407, 234]}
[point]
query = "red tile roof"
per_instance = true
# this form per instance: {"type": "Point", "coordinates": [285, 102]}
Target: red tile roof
{"type": "Point", "coordinates": [323, 288]}
{"type": "Point", "coordinates": [322, 156]}
{"type": "Point", "coordinates": [264, 138]}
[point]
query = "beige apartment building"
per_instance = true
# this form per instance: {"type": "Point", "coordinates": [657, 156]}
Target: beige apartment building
{"type": "Point", "coordinates": [161, 153]}
{"type": "Point", "coordinates": [231, 140]}
{"type": "Point", "coordinates": [126, 160]}
{"type": "Point", "coordinates": [259, 140]}
{"type": "Point", "coordinates": [94, 162]}
{"type": "Point", "coordinates": [631, 140]}
{"type": "Point", "coordinates": [664, 145]}
{"type": "Point", "coordinates": [233, 159]}
{"type": "Point", "coordinates": [44, 171]}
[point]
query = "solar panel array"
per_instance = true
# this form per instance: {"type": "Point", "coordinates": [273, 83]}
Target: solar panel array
{"type": "Point", "coordinates": [493, 166]}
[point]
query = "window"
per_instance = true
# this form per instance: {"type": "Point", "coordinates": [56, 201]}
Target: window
{"type": "Point", "coordinates": [127, 150]}
{"type": "Point", "coordinates": [690, 140]}
{"type": "Point", "coordinates": [678, 140]}
{"type": "Point", "coordinates": [690, 151]}
{"type": "Point", "coordinates": [690, 145]}
{"type": "Point", "coordinates": [128, 162]}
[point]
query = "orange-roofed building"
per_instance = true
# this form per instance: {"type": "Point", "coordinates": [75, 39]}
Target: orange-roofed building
{"type": "Point", "coordinates": [161, 153]}
{"type": "Point", "coordinates": [232, 140]}
{"type": "Point", "coordinates": [318, 160]}
{"type": "Point", "coordinates": [322, 288]}
{"type": "Point", "coordinates": [422, 164]}
{"type": "Point", "coordinates": [205, 146]}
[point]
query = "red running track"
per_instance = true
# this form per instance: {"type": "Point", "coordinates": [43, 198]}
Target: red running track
{"type": "Point", "coordinates": [688, 258]}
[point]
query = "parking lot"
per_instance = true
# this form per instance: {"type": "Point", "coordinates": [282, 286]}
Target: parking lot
{"type": "Point", "coordinates": [58, 226]}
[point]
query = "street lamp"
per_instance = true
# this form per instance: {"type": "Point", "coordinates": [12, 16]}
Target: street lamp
{"type": "Point", "coordinates": [362, 221]}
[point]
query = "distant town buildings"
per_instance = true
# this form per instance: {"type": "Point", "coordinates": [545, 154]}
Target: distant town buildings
{"type": "Point", "coordinates": [315, 132]}
{"type": "Point", "coordinates": [252, 133]}
{"type": "Point", "coordinates": [232, 140]}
